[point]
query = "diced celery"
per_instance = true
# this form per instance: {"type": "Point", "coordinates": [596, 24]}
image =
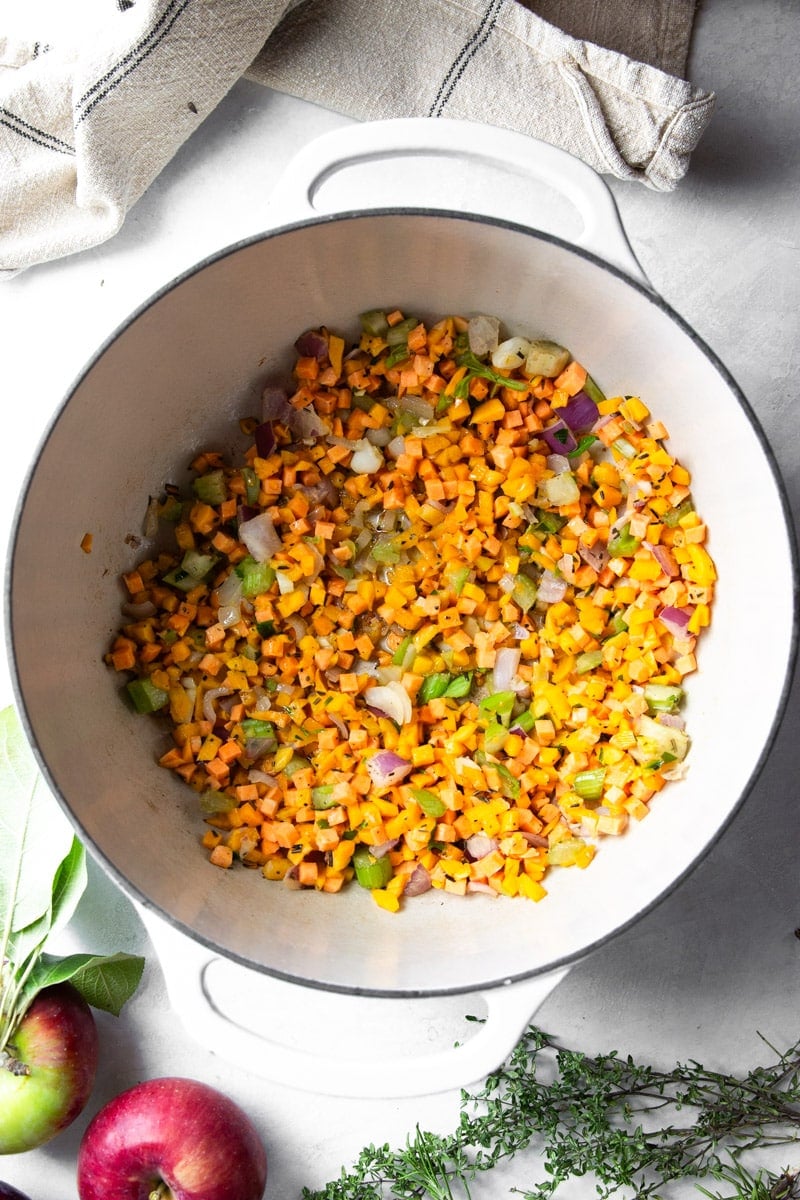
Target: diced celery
{"type": "Point", "coordinates": [593, 391]}
{"type": "Point", "coordinates": [623, 544]}
{"type": "Point", "coordinates": [322, 797]}
{"type": "Point", "coordinates": [217, 802]}
{"type": "Point", "coordinates": [671, 518]}
{"type": "Point", "coordinates": [193, 569]}
{"type": "Point", "coordinates": [588, 661]}
{"type": "Point", "coordinates": [403, 651]}
{"type": "Point", "coordinates": [145, 696]}
{"type": "Point", "coordinates": [254, 728]}
{"type": "Point", "coordinates": [499, 705]}
{"type": "Point", "coordinates": [371, 872]}
{"type": "Point", "coordinates": [589, 784]}
{"type": "Point", "coordinates": [509, 783]}
{"type": "Point", "coordinates": [433, 686]}
{"type": "Point", "coordinates": [663, 697]}
{"type": "Point", "coordinates": [459, 687]}
{"type": "Point", "coordinates": [524, 592]}
{"type": "Point", "coordinates": [525, 721]}
{"type": "Point", "coordinates": [374, 322]}
{"type": "Point", "coordinates": [211, 488]}
{"type": "Point", "coordinates": [384, 549]}
{"type": "Point", "coordinates": [495, 737]}
{"type": "Point", "coordinates": [396, 335]}
{"type": "Point", "coordinates": [256, 577]}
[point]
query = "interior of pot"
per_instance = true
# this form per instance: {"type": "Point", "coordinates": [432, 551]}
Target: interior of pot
{"type": "Point", "coordinates": [177, 379]}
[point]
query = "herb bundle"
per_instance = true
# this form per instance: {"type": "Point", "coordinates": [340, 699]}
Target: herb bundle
{"type": "Point", "coordinates": [634, 1128]}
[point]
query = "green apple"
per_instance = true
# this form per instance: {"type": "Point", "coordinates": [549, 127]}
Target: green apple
{"type": "Point", "coordinates": [47, 1069]}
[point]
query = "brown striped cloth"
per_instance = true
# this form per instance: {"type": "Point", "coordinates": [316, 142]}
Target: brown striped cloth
{"type": "Point", "coordinates": [90, 116]}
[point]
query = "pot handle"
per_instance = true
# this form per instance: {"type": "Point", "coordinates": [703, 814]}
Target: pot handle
{"type": "Point", "coordinates": [188, 975]}
{"type": "Point", "coordinates": [294, 196]}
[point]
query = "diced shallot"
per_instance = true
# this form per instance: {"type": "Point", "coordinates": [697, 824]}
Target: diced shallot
{"type": "Point", "coordinates": [210, 698]}
{"type": "Point", "coordinates": [479, 845]}
{"type": "Point", "coordinates": [580, 412]}
{"type": "Point", "coordinates": [551, 588]}
{"type": "Point", "coordinates": [504, 674]}
{"type": "Point", "coordinates": [419, 881]}
{"type": "Point", "coordinates": [675, 619]}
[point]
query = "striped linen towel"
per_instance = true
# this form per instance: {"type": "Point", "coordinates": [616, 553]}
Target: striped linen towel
{"type": "Point", "coordinates": [90, 114]}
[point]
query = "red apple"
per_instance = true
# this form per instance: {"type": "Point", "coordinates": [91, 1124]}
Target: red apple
{"type": "Point", "coordinates": [173, 1138]}
{"type": "Point", "coordinates": [47, 1070]}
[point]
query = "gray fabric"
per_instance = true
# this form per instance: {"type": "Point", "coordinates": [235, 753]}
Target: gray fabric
{"type": "Point", "coordinates": [87, 124]}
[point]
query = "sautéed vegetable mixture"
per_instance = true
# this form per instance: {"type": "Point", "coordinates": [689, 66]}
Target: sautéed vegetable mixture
{"type": "Point", "coordinates": [432, 630]}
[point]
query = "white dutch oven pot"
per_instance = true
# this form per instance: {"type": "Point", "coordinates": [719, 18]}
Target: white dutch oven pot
{"type": "Point", "coordinates": [175, 378]}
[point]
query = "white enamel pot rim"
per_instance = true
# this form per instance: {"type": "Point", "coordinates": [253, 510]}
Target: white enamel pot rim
{"type": "Point", "coordinates": [206, 342]}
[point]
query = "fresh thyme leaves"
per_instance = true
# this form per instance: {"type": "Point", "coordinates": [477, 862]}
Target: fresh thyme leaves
{"type": "Point", "coordinates": [633, 1127]}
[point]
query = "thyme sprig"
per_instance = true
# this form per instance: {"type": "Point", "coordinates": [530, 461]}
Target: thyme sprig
{"type": "Point", "coordinates": [634, 1128]}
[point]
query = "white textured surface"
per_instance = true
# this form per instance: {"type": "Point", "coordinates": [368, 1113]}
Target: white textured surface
{"type": "Point", "coordinates": [716, 963]}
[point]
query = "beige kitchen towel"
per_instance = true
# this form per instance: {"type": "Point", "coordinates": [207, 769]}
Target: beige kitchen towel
{"type": "Point", "coordinates": [89, 117]}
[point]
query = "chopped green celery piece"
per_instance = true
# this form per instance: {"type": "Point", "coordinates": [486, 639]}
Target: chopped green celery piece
{"type": "Point", "coordinates": [145, 696]}
{"type": "Point", "coordinates": [193, 569]}
{"type": "Point", "coordinates": [384, 549]}
{"type": "Point", "coordinates": [433, 686]}
{"type": "Point", "coordinates": [252, 485]}
{"type": "Point", "coordinates": [588, 661]}
{"type": "Point", "coordinates": [593, 391]}
{"type": "Point", "coordinates": [429, 802]}
{"type": "Point", "coordinates": [525, 721]}
{"type": "Point", "coordinates": [457, 577]}
{"type": "Point", "coordinates": [549, 522]}
{"type": "Point", "coordinates": [374, 322]}
{"type": "Point", "coordinates": [398, 334]}
{"type": "Point", "coordinates": [171, 509]}
{"type": "Point", "coordinates": [624, 447]}
{"type": "Point", "coordinates": [499, 705]}
{"type": "Point", "coordinates": [508, 782]}
{"type": "Point", "coordinates": [622, 544]}
{"type": "Point", "coordinates": [589, 784]}
{"type": "Point", "coordinates": [672, 518]}
{"type": "Point", "coordinates": [295, 763]}
{"type": "Point", "coordinates": [397, 355]}
{"type": "Point", "coordinates": [322, 797]}
{"type": "Point", "coordinates": [524, 592]}
{"type": "Point", "coordinates": [618, 624]}
{"type": "Point", "coordinates": [252, 727]}
{"type": "Point", "coordinates": [399, 656]}
{"type": "Point", "coordinates": [371, 872]}
{"type": "Point", "coordinates": [663, 697]}
{"type": "Point", "coordinates": [495, 737]}
{"type": "Point", "coordinates": [265, 629]}
{"type": "Point", "coordinates": [256, 577]}
{"type": "Point", "coordinates": [216, 802]}
{"type": "Point", "coordinates": [442, 405]}
{"type": "Point", "coordinates": [211, 488]}
{"type": "Point", "coordinates": [459, 687]}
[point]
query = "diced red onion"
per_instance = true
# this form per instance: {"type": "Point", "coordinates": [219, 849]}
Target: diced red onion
{"type": "Point", "coordinates": [307, 424]}
{"type": "Point", "coordinates": [479, 845]}
{"type": "Point", "coordinates": [559, 437]}
{"type": "Point", "coordinates": [383, 848]}
{"type": "Point", "coordinates": [322, 493]}
{"type": "Point", "coordinates": [275, 404]}
{"type": "Point", "coordinates": [229, 601]}
{"type": "Point", "coordinates": [675, 619]}
{"type": "Point", "coordinates": [139, 611]}
{"type": "Point", "coordinates": [387, 768]}
{"type": "Point", "coordinates": [264, 438]}
{"type": "Point", "coordinates": [673, 720]}
{"type": "Point", "coordinates": [257, 776]}
{"type": "Point", "coordinates": [477, 885]}
{"type": "Point", "coordinates": [551, 588]}
{"type": "Point", "coordinates": [580, 412]}
{"type": "Point", "coordinates": [557, 463]}
{"type": "Point", "coordinates": [419, 881]}
{"type": "Point", "coordinates": [595, 556]}
{"type": "Point", "coordinates": [311, 344]}
{"type": "Point", "coordinates": [567, 567]}
{"type": "Point", "coordinates": [505, 668]}
{"type": "Point", "coordinates": [664, 559]}
{"type": "Point", "coordinates": [260, 537]}
{"type": "Point", "coordinates": [392, 700]}
{"type": "Point", "coordinates": [536, 839]}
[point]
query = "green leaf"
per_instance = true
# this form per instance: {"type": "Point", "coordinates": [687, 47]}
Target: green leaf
{"type": "Point", "coordinates": [34, 835]}
{"type": "Point", "coordinates": [69, 885]}
{"type": "Point", "coordinates": [104, 981]}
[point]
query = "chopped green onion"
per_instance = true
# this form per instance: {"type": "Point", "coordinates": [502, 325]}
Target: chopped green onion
{"type": "Point", "coordinates": [252, 485]}
{"type": "Point", "coordinates": [429, 802]}
{"type": "Point", "coordinates": [405, 648]}
{"type": "Point", "coordinates": [477, 368]}
{"type": "Point", "coordinates": [145, 696]}
{"type": "Point", "coordinates": [584, 443]}
{"type": "Point", "coordinates": [371, 872]}
{"type": "Point", "coordinates": [525, 721]}
{"type": "Point", "coordinates": [265, 629]}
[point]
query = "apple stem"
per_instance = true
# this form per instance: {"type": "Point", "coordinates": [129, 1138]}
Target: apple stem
{"type": "Point", "coordinates": [161, 1191]}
